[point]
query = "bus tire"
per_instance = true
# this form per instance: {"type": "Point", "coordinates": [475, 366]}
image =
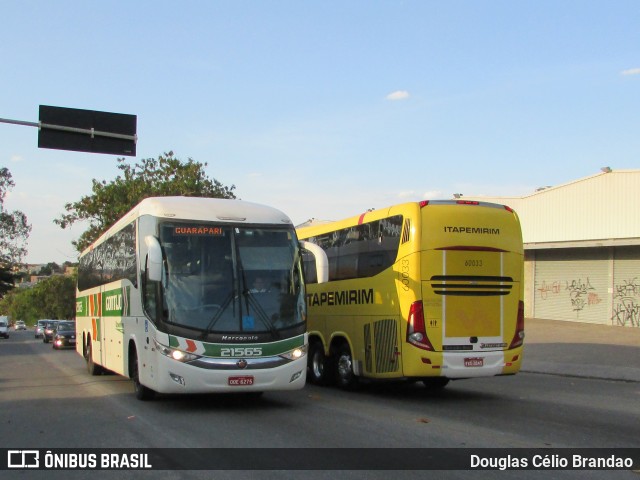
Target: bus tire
{"type": "Point", "coordinates": [345, 377]}
{"type": "Point", "coordinates": [92, 367]}
{"type": "Point", "coordinates": [319, 365]}
{"type": "Point", "coordinates": [435, 383]}
{"type": "Point", "coordinates": [142, 393]}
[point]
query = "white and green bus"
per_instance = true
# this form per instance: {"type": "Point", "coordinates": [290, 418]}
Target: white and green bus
{"type": "Point", "coordinates": [195, 295]}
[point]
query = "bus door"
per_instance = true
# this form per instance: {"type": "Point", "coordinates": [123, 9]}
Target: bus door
{"type": "Point", "coordinates": [94, 303]}
{"type": "Point", "coordinates": [115, 303]}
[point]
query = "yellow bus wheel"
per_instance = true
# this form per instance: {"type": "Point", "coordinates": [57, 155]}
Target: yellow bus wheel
{"type": "Point", "coordinates": [345, 377]}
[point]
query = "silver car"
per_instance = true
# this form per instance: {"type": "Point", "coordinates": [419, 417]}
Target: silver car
{"type": "Point", "coordinates": [39, 333]}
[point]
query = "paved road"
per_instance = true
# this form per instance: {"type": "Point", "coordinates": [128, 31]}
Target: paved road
{"type": "Point", "coordinates": [582, 350]}
{"type": "Point", "coordinates": [49, 401]}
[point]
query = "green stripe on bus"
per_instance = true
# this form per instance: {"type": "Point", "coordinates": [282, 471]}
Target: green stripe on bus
{"type": "Point", "coordinates": [114, 303]}
{"type": "Point", "coordinates": [268, 349]}
{"type": "Point", "coordinates": [82, 307]}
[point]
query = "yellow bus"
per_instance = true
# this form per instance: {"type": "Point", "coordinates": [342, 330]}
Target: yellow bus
{"type": "Point", "coordinates": [428, 291]}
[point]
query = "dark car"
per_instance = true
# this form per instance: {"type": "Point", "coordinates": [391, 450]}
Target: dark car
{"type": "Point", "coordinates": [65, 335]}
{"type": "Point", "coordinates": [49, 330]}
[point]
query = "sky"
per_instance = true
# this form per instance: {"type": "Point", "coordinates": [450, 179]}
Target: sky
{"type": "Point", "coordinates": [323, 109]}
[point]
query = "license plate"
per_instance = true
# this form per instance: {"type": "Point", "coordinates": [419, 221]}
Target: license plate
{"type": "Point", "coordinates": [474, 362]}
{"type": "Point", "coordinates": [72, 342]}
{"type": "Point", "coordinates": [240, 381]}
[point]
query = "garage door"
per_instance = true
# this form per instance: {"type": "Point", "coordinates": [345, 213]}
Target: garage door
{"type": "Point", "coordinates": [626, 287]}
{"type": "Point", "coordinates": [573, 284]}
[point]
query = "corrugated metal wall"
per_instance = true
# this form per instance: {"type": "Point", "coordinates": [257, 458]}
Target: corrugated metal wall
{"type": "Point", "coordinates": [602, 206]}
{"type": "Point", "coordinates": [529, 282]}
{"type": "Point", "coordinates": [572, 285]}
{"type": "Point", "coordinates": [582, 252]}
{"type": "Point", "coordinates": [625, 309]}
{"type": "Point", "coordinates": [598, 207]}
{"type": "Point", "coordinates": [594, 285]}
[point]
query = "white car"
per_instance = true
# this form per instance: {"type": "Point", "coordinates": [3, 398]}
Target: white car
{"type": "Point", "coordinates": [4, 327]}
{"type": "Point", "coordinates": [20, 325]}
{"type": "Point", "coordinates": [39, 333]}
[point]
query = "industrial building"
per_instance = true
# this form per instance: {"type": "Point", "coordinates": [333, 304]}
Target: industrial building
{"type": "Point", "coordinates": [582, 248]}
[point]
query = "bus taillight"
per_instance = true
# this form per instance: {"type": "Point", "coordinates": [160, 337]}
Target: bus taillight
{"type": "Point", "coordinates": [518, 338]}
{"type": "Point", "coordinates": [416, 331]}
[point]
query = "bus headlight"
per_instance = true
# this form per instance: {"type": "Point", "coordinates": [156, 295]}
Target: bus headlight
{"type": "Point", "coordinates": [174, 353]}
{"type": "Point", "coordinates": [296, 353]}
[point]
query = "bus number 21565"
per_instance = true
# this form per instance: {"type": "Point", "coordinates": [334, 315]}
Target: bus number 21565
{"type": "Point", "coordinates": [241, 352]}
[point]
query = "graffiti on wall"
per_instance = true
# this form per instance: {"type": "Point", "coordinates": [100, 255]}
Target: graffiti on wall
{"type": "Point", "coordinates": [579, 293]}
{"type": "Point", "coordinates": [582, 294]}
{"type": "Point", "coordinates": [547, 289]}
{"type": "Point", "coordinates": [626, 303]}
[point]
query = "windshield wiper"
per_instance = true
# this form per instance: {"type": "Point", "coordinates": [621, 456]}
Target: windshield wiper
{"type": "Point", "coordinates": [262, 315]}
{"type": "Point", "coordinates": [218, 315]}
{"type": "Point", "coordinates": [264, 318]}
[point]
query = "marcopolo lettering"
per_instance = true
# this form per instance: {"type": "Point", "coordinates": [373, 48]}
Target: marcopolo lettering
{"type": "Point", "coordinates": [472, 230]}
{"type": "Point", "coordinates": [344, 297]}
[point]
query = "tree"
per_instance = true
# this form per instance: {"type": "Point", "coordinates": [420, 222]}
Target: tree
{"type": "Point", "coordinates": [19, 305]}
{"type": "Point", "coordinates": [14, 232]}
{"type": "Point", "coordinates": [50, 268]}
{"type": "Point", "coordinates": [7, 279]}
{"type": "Point", "coordinates": [164, 176]}
{"type": "Point", "coordinates": [53, 298]}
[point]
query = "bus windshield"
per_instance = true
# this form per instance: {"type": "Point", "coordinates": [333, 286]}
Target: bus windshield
{"type": "Point", "coordinates": [231, 279]}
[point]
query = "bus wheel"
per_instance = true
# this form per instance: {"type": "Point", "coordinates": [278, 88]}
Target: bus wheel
{"type": "Point", "coordinates": [92, 367]}
{"type": "Point", "coordinates": [142, 392]}
{"type": "Point", "coordinates": [319, 365]}
{"type": "Point", "coordinates": [344, 368]}
{"type": "Point", "coordinates": [435, 383]}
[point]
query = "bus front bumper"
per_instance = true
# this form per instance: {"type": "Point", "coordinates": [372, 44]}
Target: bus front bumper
{"type": "Point", "coordinates": [201, 376]}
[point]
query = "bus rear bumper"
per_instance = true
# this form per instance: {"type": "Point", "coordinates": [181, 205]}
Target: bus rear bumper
{"type": "Point", "coordinates": [480, 364]}
{"type": "Point", "coordinates": [468, 364]}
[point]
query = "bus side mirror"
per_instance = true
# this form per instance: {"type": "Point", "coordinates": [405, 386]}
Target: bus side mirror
{"type": "Point", "coordinates": [154, 258]}
{"type": "Point", "coordinates": [322, 262]}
